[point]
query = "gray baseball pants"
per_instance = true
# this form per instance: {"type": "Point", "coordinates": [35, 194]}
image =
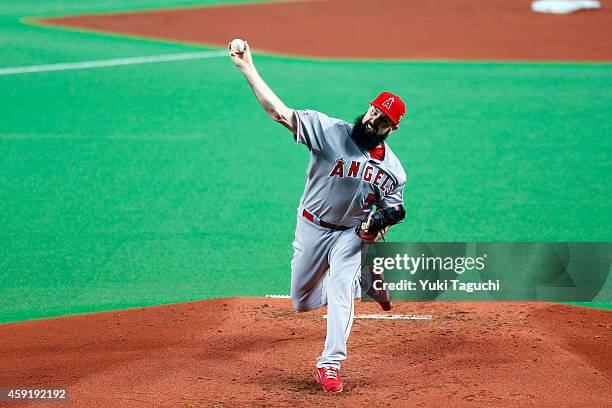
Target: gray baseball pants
{"type": "Point", "coordinates": [325, 270]}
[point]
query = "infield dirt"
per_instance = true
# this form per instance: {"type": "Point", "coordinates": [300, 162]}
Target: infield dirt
{"type": "Point", "coordinates": [259, 352]}
{"type": "Point", "coordinates": [365, 29]}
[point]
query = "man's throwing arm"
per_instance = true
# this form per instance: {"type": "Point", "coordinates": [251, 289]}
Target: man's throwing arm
{"type": "Point", "coordinates": [268, 100]}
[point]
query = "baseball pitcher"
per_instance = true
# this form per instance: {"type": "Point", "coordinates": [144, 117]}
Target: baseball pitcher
{"type": "Point", "coordinates": [351, 172]}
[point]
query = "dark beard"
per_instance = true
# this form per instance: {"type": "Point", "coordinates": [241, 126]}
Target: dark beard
{"type": "Point", "coordinates": [365, 138]}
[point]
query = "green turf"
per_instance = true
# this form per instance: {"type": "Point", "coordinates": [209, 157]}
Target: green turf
{"type": "Point", "coordinates": [19, 8]}
{"type": "Point", "coordinates": [160, 183]}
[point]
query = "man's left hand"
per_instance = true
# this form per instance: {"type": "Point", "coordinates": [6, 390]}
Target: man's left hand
{"type": "Point", "coordinates": [371, 237]}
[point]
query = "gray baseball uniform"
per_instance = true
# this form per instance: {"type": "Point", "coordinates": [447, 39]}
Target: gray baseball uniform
{"type": "Point", "coordinates": [343, 182]}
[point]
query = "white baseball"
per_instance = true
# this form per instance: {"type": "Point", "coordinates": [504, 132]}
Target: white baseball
{"type": "Point", "coordinates": [237, 45]}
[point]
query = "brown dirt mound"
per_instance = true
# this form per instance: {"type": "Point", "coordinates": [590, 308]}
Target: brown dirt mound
{"type": "Point", "coordinates": [249, 351]}
{"type": "Point", "coordinates": [427, 29]}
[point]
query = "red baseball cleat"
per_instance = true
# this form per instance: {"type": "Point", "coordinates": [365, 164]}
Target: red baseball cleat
{"type": "Point", "coordinates": [329, 378]}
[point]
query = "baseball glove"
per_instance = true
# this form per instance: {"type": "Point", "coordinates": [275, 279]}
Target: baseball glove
{"type": "Point", "coordinates": [378, 223]}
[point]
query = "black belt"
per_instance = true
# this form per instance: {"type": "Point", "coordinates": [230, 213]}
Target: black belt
{"type": "Point", "coordinates": [322, 223]}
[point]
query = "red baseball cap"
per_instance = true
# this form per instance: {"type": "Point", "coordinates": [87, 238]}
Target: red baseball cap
{"type": "Point", "coordinates": [392, 105]}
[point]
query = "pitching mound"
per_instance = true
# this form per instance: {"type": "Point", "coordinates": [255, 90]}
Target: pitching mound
{"type": "Point", "coordinates": [246, 351]}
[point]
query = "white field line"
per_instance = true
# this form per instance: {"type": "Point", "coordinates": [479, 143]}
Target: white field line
{"type": "Point", "coordinates": [372, 316]}
{"type": "Point", "coordinates": [391, 317]}
{"type": "Point", "coordinates": [112, 62]}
